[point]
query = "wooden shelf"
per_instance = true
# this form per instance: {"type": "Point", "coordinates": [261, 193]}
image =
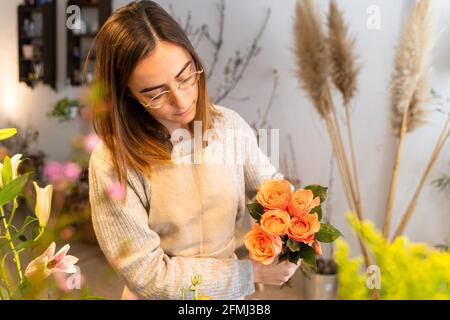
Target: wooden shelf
{"type": "Point", "coordinates": [79, 44]}
{"type": "Point", "coordinates": [30, 60]}
{"type": "Point", "coordinates": [47, 44]}
{"type": "Point", "coordinates": [84, 35]}
{"type": "Point", "coordinates": [23, 37]}
{"type": "Point", "coordinates": [30, 9]}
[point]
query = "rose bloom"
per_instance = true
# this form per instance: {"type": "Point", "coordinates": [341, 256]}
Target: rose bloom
{"type": "Point", "coordinates": [303, 229]}
{"type": "Point", "coordinates": [262, 246]}
{"type": "Point", "coordinates": [302, 202]}
{"type": "Point", "coordinates": [275, 222]}
{"type": "Point", "coordinates": [274, 194]}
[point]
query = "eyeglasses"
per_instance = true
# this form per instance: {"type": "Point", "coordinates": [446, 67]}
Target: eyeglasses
{"type": "Point", "coordinates": [162, 98]}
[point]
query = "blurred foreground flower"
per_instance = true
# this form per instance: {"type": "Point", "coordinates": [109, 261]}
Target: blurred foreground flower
{"type": "Point", "coordinates": [194, 289]}
{"type": "Point", "coordinates": [72, 171]}
{"type": "Point", "coordinates": [402, 270]}
{"type": "Point", "coordinates": [90, 141]}
{"type": "Point", "coordinates": [116, 191]}
{"type": "Point", "coordinates": [62, 175]}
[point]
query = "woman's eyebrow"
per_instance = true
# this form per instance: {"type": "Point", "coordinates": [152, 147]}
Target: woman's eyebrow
{"type": "Point", "coordinates": [162, 85]}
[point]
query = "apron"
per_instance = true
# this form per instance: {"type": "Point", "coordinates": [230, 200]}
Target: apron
{"type": "Point", "coordinates": [193, 208]}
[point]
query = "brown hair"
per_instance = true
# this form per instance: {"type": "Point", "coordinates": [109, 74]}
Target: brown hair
{"type": "Point", "coordinates": [128, 130]}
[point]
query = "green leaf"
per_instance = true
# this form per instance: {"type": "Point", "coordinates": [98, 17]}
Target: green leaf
{"type": "Point", "coordinates": [26, 245]}
{"type": "Point", "coordinates": [7, 170]}
{"type": "Point", "coordinates": [256, 210]}
{"type": "Point", "coordinates": [283, 257]}
{"type": "Point", "coordinates": [7, 133]}
{"type": "Point", "coordinates": [295, 256]}
{"type": "Point", "coordinates": [317, 210]}
{"type": "Point", "coordinates": [319, 191]}
{"type": "Point", "coordinates": [293, 245]}
{"type": "Point", "coordinates": [36, 231]}
{"type": "Point", "coordinates": [327, 233]}
{"type": "Point", "coordinates": [13, 188]}
{"type": "Point", "coordinates": [21, 231]}
{"type": "Point", "coordinates": [22, 290]}
{"type": "Point", "coordinates": [308, 256]}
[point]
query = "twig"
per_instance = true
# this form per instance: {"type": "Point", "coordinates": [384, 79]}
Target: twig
{"type": "Point", "coordinates": [262, 120]}
{"type": "Point", "coordinates": [241, 64]}
{"type": "Point", "coordinates": [216, 43]}
{"type": "Point", "coordinates": [330, 194]}
{"type": "Point", "coordinates": [394, 178]}
{"type": "Point", "coordinates": [353, 154]}
{"type": "Point", "coordinates": [344, 179]}
{"type": "Point", "coordinates": [434, 156]}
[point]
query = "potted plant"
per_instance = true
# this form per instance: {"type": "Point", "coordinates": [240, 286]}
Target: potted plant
{"type": "Point", "coordinates": [66, 109]}
{"type": "Point", "coordinates": [321, 283]}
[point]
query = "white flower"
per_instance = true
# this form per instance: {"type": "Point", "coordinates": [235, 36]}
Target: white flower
{"type": "Point", "coordinates": [15, 162]}
{"type": "Point", "coordinates": [43, 203]}
{"type": "Point", "coordinates": [49, 262]}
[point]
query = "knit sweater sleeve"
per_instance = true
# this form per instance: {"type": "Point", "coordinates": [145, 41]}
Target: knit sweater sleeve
{"type": "Point", "coordinates": [134, 251]}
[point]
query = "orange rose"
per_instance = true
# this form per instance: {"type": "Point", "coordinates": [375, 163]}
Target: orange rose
{"type": "Point", "coordinates": [302, 202]}
{"type": "Point", "coordinates": [274, 194]}
{"type": "Point", "coordinates": [275, 222]}
{"type": "Point", "coordinates": [262, 246]}
{"type": "Point", "coordinates": [303, 229]}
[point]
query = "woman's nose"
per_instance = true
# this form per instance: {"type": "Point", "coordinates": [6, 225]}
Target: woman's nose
{"type": "Point", "coordinates": [180, 99]}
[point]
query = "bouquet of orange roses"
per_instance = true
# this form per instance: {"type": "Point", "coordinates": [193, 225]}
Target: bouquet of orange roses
{"type": "Point", "coordinates": [288, 223]}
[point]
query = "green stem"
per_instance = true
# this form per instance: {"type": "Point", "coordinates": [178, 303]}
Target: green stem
{"type": "Point", "coordinates": [41, 232]}
{"type": "Point", "coordinates": [4, 275]}
{"type": "Point", "coordinates": [11, 245]}
{"type": "Point", "coordinates": [13, 212]}
{"type": "Point", "coordinates": [196, 293]}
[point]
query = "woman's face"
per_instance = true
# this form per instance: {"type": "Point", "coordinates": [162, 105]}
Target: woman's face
{"type": "Point", "coordinates": [166, 67]}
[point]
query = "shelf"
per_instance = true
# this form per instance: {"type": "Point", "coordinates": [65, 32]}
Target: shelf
{"type": "Point", "coordinates": [23, 37]}
{"type": "Point", "coordinates": [30, 9]}
{"type": "Point", "coordinates": [79, 44]}
{"type": "Point", "coordinates": [84, 35]}
{"type": "Point", "coordinates": [44, 42]}
{"type": "Point", "coordinates": [30, 60]}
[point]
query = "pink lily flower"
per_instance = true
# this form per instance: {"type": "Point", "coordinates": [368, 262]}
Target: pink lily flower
{"type": "Point", "coordinates": [72, 171]}
{"type": "Point", "coordinates": [49, 262]}
{"type": "Point", "coordinates": [53, 171]}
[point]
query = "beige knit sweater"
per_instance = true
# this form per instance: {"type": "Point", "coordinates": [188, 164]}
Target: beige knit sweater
{"type": "Point", "coordinates": [182, 222]}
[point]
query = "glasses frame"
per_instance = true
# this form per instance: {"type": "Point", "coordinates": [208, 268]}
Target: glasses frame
{"type": "Point", "coordinates": [177, 87]}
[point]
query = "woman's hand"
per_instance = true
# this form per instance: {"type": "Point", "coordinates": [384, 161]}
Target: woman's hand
{"type": "Point", "coordinates": [275, 274]}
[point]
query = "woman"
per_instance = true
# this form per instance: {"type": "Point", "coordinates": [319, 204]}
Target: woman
{"type": "Point", "coordinates": [176, 219]}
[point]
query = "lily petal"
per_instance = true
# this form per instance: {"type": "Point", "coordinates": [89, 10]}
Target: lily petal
{"type": "Point", "coordinates": [15, 162]}
{"type": "Point", "coordinates": [43, 203]}
{"type": "Point", "coordinates": [37, 269]}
